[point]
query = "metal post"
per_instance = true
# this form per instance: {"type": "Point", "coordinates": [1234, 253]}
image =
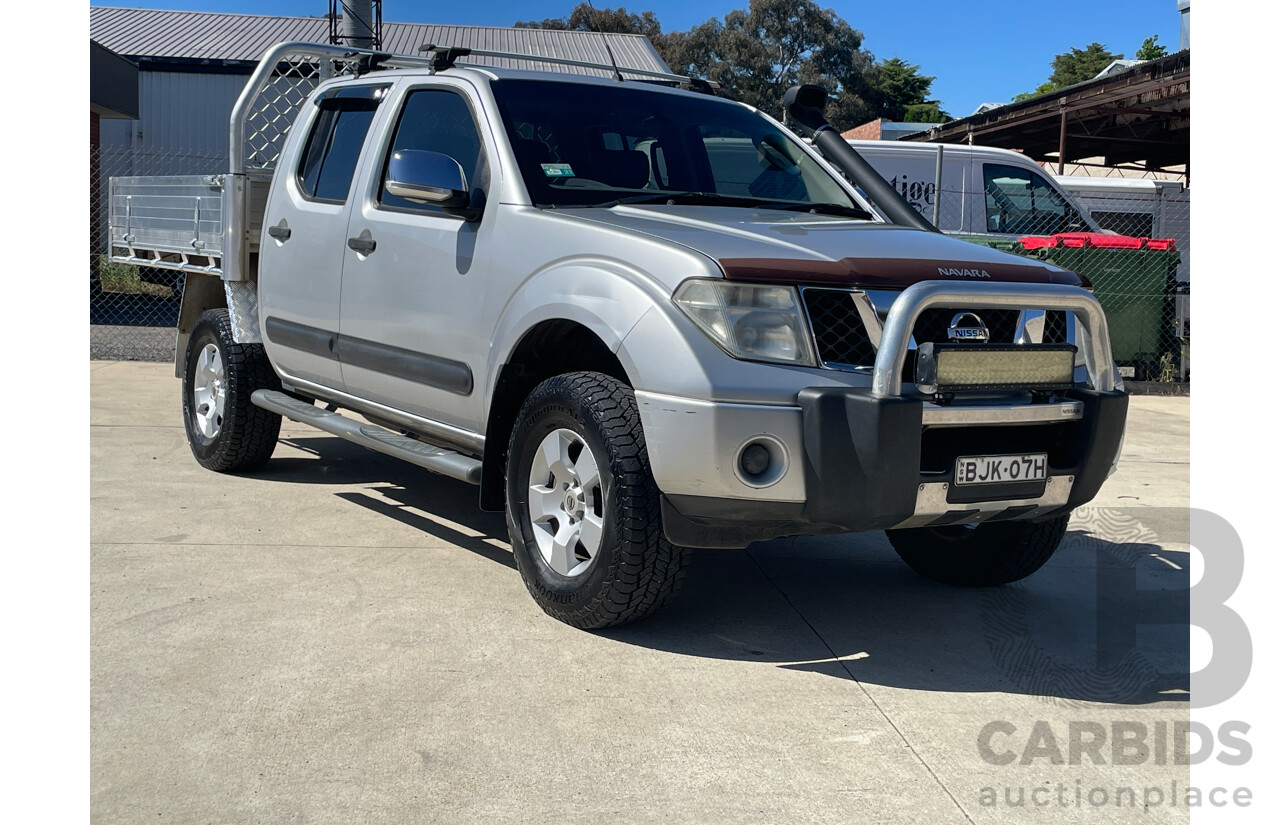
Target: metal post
{"type": "Point", "coordinates": [195, 241]}
{"type": "Point", "coordinates": [1062, 138]}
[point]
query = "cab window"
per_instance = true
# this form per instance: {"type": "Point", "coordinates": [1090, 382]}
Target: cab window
{"type": "Point", "coordinates": [333, 147]}
{"type": "Point", "coordinates": [438, 120]}
{"type": "Point", "coordinates": [1021, 202]}
{"type": "Point", "coordinates": [608, 143]}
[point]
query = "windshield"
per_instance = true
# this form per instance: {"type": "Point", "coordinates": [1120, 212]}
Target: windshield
{"type": "Point", "coordinates": [581, 144]}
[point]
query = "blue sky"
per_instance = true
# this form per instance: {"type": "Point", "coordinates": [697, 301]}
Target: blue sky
{"type": "Point", "coordinates": [981, 50]}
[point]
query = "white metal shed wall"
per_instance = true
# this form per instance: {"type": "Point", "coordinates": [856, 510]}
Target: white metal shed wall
{"type": "Point", "coordinates": [181, 126]}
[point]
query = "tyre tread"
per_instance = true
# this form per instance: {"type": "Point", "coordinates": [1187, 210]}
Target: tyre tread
{"type": "Point", "coordinates": [992, 554]}
{"type": "Point", "coordinates": [647, 569]}
{"type": "Point", "coordinates": [249, 432]}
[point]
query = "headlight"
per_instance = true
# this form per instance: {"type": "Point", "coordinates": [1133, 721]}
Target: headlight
{"type": "Point", "coordinates": [756, 323]}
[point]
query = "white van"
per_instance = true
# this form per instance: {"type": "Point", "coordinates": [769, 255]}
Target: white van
{"type": "Point", "coordinates": [985, 191]}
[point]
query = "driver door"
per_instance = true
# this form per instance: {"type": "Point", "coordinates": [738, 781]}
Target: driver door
{"type": "Point", "coordinates": [414, 276]}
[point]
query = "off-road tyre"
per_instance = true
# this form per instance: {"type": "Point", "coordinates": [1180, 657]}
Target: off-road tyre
{"type": "Point", "coordinates": [245, 434]}
{"type": "Point", "coordinates": [984, 555]}
{"type": "Point", "coordinates": [635, 570]}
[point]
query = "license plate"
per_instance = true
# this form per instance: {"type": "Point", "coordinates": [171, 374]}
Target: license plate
{"type": "Point", "coordinates": [1001, 469]}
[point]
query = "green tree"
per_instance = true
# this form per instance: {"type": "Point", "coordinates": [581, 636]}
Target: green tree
{"type": "Point", "coordinates": [755, 54]}
{"type": "Point", "coordinates": [1079, 65]}
{"type": "Point", "coordinates": [584, 17]}
{"type": "Point", "coordinates": [1075, 66]}
{"type": "Point", "coordinates": [927, 112]}
{"type": "Point", "coordinates": [1150, 50]}
{"type": "Point", "coordinates": [1039, 90]}
{"type": "Point", "coordinates": [901, 92]}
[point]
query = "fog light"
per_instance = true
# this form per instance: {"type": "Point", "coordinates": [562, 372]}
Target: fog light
{"type": "Point", "coordinates": [754, 460]}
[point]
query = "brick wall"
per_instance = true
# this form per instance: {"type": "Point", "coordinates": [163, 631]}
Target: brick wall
{"type": "Point", "coordinates": [867, 131]}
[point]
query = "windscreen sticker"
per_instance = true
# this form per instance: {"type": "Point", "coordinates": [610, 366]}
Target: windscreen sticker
{"type": "Point", "coordinates": [557, 170]}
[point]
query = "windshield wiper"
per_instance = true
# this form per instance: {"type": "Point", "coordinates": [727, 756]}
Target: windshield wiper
{"type": "Point", "coordinates": [687, 199]}
{"type": "Point", "coordinates": [825, 209]}
{"type": "Point", "coordinates": [716, 199]}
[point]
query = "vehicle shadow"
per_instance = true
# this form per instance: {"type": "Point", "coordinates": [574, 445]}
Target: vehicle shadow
{"type": "Point", "coordinates": [406, 493]}
{"type": "Point", "coordinates": [1104, 621]}
{"type": "Point", "coordinates": [1107, 620]}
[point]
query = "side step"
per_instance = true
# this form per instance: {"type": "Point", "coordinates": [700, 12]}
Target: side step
{"type": "Point", "coordinates": [435, 459]}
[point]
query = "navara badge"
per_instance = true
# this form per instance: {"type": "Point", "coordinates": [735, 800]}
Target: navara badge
{"type": "Point", "coordinates": [968, 328]}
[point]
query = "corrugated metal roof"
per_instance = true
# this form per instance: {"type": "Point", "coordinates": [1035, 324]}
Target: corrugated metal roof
{"type": "Point", "coordinates": [190, 35]}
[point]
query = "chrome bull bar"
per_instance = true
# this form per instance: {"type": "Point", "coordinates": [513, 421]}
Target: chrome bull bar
{"type": "Point", "coordinates": [895, 339]}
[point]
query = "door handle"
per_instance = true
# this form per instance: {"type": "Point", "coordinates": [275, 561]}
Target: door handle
{"type": "Point", "coordinates": [362, 244]}
{"type": "Point", "coordinates": [281, 233]}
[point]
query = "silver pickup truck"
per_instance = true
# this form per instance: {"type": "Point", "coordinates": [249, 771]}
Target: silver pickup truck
{"type": "Point", "coordinates": [640, 317]}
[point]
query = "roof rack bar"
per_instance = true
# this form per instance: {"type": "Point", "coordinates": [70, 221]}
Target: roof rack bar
{"type": "Point", "coordinates": [401, 61]}
{"type": "Point", "coordinates": [564, 61]}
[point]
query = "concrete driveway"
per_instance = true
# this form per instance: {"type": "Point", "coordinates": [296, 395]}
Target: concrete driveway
{"type": "Point", "coordinates": [344, 638]}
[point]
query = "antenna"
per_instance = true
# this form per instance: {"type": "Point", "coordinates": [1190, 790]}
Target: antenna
{"type": "Point", "coordinates": [617, 73]}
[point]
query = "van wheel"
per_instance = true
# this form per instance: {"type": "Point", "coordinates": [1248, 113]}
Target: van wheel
{"type": "Point", "coordinates": [227, 433]}
{"type": "Point", "coordinates": [982, 555]}
{"type": "Point", "coordinates": [582, 506]}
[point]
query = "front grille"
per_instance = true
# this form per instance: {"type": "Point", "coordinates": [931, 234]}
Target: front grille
{"type": "Point", "coordinates": [932, 324]}
{"type": "Point", "coordinates": [837, 328]}
{"type": "Point", "coordinates": [1055, 327]}
{"type": "Point", "coordinates": [842, 339]}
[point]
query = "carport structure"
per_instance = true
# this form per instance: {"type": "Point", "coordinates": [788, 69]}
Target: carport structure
{"type": "Point", "coordinates": [1139, 117]}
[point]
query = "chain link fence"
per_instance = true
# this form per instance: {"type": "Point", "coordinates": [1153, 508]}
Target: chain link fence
{"type": "Point", "coordinates": [133, 310]}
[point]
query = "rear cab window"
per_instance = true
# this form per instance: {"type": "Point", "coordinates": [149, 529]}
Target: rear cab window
{"type": "Point", "coordinates": [333, 146]}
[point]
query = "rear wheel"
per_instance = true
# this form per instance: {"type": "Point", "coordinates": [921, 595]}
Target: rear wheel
{"type": "Point", "coordinates": [226, 431]}
{"type": "Point", "coordinates": [582, 506]}
{"type": "Point", "coordinates": [981, 555]}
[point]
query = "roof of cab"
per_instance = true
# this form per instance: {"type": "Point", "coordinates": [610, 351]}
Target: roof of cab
{"type": "Point", "coordinates": [486, 74]}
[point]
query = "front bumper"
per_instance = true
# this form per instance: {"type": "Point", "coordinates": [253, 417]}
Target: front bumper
{"type": "Point", "coordinates": [869, 463]}
{"type": "Point", "coordinates": [876, 458]}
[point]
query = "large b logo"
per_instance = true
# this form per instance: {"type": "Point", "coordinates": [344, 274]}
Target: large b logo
{"type": "Point", "coordinates": [1220, 546]}
{"type": "Point", "coordinates": [1128, 640]}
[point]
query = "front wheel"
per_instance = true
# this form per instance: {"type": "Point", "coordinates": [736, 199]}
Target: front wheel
{"type": "Point", "coordinates": [226, 431]}
{"type": "Point", "coordinates": [982, 555]}
{"type": "Point", "coordinates": [582, 505]}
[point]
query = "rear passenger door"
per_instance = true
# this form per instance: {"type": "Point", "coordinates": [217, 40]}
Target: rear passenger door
{"type": "Point", "coordinates": [304, 233]}
{"type": "Point", "coordinates": [414, 282]}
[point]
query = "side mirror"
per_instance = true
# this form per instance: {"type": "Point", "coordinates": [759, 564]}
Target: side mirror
{"type": "Point", "coordinates": [427, 177]}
